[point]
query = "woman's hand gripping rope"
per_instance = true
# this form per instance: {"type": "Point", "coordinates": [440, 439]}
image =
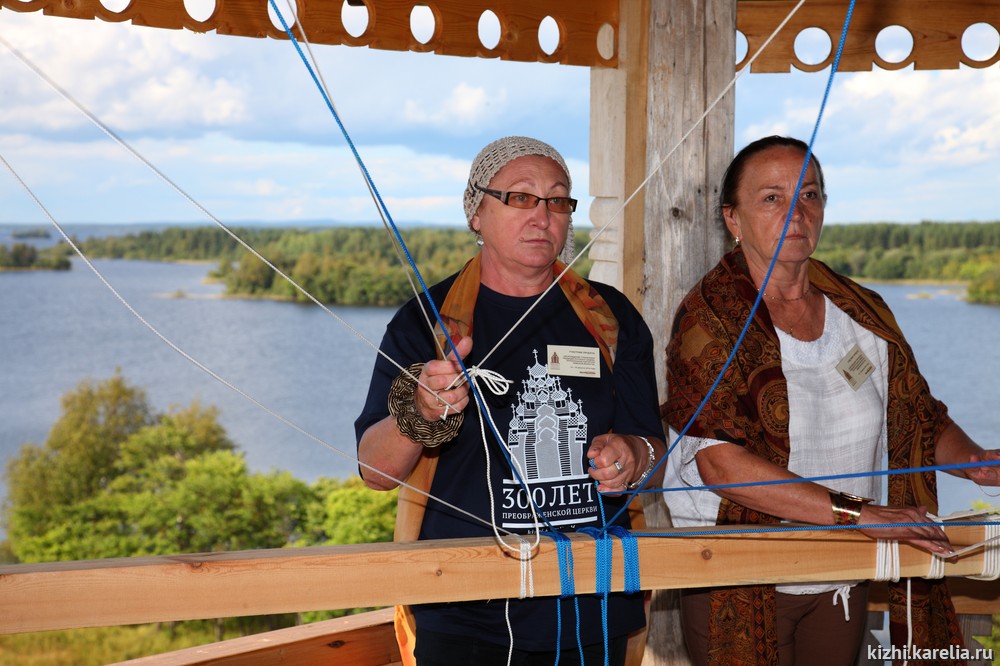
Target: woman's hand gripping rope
{"type": "Point", "coordinates": [617, 461]}
{"type": "Point", "coordinates": [445, 378]}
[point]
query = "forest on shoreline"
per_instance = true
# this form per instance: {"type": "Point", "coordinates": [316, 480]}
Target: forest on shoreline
{"type": "Point", "coordinates": [360, 265]}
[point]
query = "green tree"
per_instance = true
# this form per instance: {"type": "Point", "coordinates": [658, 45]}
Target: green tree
{"type": "Point", "coordinates": [113, 480]}
{"type": "Point", "coordinates": [78, 458]}
{"type": "Point", "coordinates": [986, 287]}
{"type": "Point", "coordinates": [347, 511]}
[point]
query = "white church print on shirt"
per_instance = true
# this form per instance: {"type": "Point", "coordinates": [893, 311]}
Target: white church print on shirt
{"type": "Point", "coordinates": [546, 441]}
{"type": "Point", "coordinates": [549, 429]}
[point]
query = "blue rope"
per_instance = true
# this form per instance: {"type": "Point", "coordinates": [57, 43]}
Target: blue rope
{"type": "Point", "coordinates": [725, 530]}
{"type": "Point", "coordinates": [409, 258]}
{"type": "Point", "coordinates": [774, 259]}
{"type": "Point", "coordinates": [579, 640]}
{"type": "Point", "coordinates": [831, 477]}
{"type": "Point", "coordinates": [603, 558]}
{"type": "Point", "coordinates": [567, 584]}
{"type": "Point", "coordinates": [600, 497]}
{"type": "Point", "coordinates": [630, 557]}
{"type": "Point", "coordinates": [564, 549]}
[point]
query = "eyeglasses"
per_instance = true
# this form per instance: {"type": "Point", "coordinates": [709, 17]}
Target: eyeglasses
{"type": "Point", "coordinates": [527, 201]}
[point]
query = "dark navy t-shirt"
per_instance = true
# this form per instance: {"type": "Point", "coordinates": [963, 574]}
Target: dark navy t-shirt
{"type": "Point", "coordinates": [562, 395]}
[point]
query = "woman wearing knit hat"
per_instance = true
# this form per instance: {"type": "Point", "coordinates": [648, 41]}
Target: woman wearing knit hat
{"type": "Point", "coordinates": [574, 406]}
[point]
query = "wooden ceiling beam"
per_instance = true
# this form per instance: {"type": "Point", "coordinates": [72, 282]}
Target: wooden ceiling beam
{"type": "Point", "coordinates": [936, 26]}
{"type": "Point", "coordinates": [588, 29]}
{"type": "Point", "coordinates": [583, 25]}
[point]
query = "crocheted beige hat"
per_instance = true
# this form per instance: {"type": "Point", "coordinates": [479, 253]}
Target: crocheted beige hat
{"type": "Point", "coordinates": [496, 156]}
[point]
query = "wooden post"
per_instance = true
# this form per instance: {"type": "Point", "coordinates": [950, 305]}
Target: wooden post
{"type": "Point", "coordinates": [692, 55]}
{"type": "Point", "coordinates": [674, 58]}
{"type": "Point", "coordinates": [618, 115]}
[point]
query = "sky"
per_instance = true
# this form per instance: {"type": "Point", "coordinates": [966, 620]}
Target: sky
{"type": "Point", "coordinates": [238, 124]}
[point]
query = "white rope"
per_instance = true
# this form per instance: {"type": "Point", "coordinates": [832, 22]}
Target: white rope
{"type": "Point", "coordinates": [484, 411]}
{"type": "Point", "coordinates": [844, 594]}
{"type": "Point", "coordinates": [510, 631]}
{"type": "Point", "coordinates": [887, 560]}
{"type": "Point", "coordinates": [527, 570]}
{"type": "Point", "coordinates": [493, 380]}
{"type": "Point", "coordinates": [187, 197]}
{"type": "Point", "coordinates": [936, 568]}
{"type": "Point", "coordinates": [909, 621]}
{"type": "Point", "coordinates": [991, 553]}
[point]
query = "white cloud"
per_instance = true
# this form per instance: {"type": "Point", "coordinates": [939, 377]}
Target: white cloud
{"type": "Point", "coordinates": [239, 123]}
{"type": "Point", "coordinates": [466, 106]}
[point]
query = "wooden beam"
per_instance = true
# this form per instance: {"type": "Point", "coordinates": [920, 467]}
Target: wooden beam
{"type": "Point", "coordinates": [62, 595]}
{"type": "Point", "coordinates": [581, 23]}
{"type": "Point", "coordinates": [936, 27]}
{"type": "Point", "coordinates": [366, 639]}
{"type": "Point", "coordinates": [637, 119]}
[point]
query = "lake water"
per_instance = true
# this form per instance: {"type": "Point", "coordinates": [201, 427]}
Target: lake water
{"type": "Point", "coordinates": [59, 328]}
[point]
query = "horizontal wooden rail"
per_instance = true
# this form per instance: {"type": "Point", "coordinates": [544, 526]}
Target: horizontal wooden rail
{"type": "Point", "coordinates": [63, 595]}
{"type": "Point", "coordinates": [366, 639]}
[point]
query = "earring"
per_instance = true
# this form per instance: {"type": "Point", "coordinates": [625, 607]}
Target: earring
{"type": "Point", "coordinates": [479, 239]}
{"type": "Point", "coordinates": [737, 240]}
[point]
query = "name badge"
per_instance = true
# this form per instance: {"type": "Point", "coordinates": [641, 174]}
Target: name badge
{"type": "Point", "coordinates": [573, 361]}
{"type": "Point", "coordinates": [855, 368]}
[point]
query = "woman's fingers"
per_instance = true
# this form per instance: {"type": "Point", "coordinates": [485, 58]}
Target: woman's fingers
{"type": "Point", "coordinates": [915, 527]}
{"type": "Point", "coordinates": [613, 462]}
{"type": "Point", "coordinates": [442, 389]}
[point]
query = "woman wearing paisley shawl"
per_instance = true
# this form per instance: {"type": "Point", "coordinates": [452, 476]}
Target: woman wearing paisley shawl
{"type": "Point", "coordinates": [578, 414]}
{"type": "Point", "coordinates": [823, 383]}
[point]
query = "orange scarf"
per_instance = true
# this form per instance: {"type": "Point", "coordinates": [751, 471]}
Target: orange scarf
{"type": "Point", "coordinates": [589, 306]}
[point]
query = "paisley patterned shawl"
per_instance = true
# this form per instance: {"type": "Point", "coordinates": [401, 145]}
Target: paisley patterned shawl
{"type": "Point", "coordinates": [750, 408]}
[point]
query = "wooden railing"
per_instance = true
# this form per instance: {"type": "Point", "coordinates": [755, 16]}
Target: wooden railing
{"type": "Point", "coordinates": [61, 595]}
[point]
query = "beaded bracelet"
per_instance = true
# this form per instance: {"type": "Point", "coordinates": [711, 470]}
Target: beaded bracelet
{"type": "Point", "coordinates": [410, 421]}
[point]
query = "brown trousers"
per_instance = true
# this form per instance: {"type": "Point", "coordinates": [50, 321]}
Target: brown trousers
{"type": "Point", "coordinates": [811, 630]}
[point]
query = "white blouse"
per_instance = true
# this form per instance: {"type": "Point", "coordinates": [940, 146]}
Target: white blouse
{"type": "Point", "coordinates": [833, 428]}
